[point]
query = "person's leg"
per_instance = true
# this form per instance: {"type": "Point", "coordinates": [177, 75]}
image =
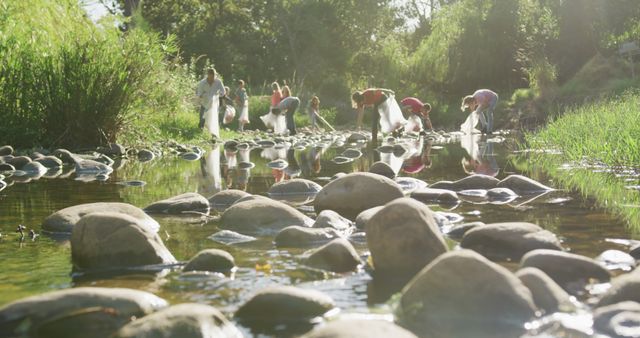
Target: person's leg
{"type": "Point", "coordinates": [201, 124]}
{"type": "Point", "coordinates": [492, 107]}
{"type": "Point", "coordinates": [291, 124]}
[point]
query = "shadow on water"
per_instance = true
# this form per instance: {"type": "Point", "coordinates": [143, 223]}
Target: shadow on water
{"type": "Point", "coordinates": [42, 265]}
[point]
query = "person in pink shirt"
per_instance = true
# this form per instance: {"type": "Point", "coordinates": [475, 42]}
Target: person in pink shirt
{"type": "Point", "coordinates": [482, 102]}
{"type": "Point", "coordinates": [421, 110]}
{"type": "Point", "coordinates": [276, 97]}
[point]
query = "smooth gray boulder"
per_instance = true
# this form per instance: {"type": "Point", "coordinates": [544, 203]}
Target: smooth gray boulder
{"type": "Point", "coordinates": [19, 162]}
{"type": "Point", "coordinates": [382, 168]}
{"type": "Point", "coordinates": [76, 312]}
{"type": "Point", "coordinates": [431, 195]}
{"type": "Point", "coordinates": [462, 294]}
{"type": "Point", "coordinates": [331, 219]}
{"type": "Point", "coordinates": [403, 237]}
{"type": "Point", "coordinates": [6, 167]}
{"type": "Point", "coordinates": [501, 194]}
{"type": "Point", "coordinates": [284, 304]}
{"type": "Point", "coordinates": [410, 184]}
{"type": "Point", "coordinates": [337, 256]}
{"type": "Point", "coordinates": [620, 320]}
{"type": "Point", "coordinates": [224, 199]}
{"type": "Point", "coordinates": [359, 328]}
{"type": "Point", "coordinates": [357, 137]}
{"type": "Point", "coordinates": [109, 240]}
{"type": "Point", "coordinates": [352, 153]}
{"type": "Point", "coordinates": [365, 216]}
{"type": "Point", "coordinates": [522, 185]}
{"type": "Point", "coordinates": [145, 155]}
{"type": "Point", "coordinates": [296, 186]}
{"type": "Point", "coordinates": [50, 162]}
{"type": "Point", "coordinates": [457, 231]}
{"type": "Point", "coordinates": [444, 185]}
{"type": "Point", "coordinates": [64, 220]}
{"type": "Point", "coordinates": [189, 320]}
{"type": "Point", "coordinates": [569, 270]}
{"type": "Point", "coordinates": [91, 167]}
{"type": "Point", "coordinates": [213, 260]}
{"type": "Point", "coordinates": [353, 193]}
{"type": "Point", "coordinates": [509, 241]}
{"type": "Point", "coordinates": [184, 203]}
{"type": "Point", "coordinates": [474, 182]}
{"type": "Point", "coordinates": [616, 260]}
{"type": "Point", "coordinates": [547, 294]}
{"type": "Point", "coordinates": [113, 149]}
{"type": "Point", "coordinates": [623, 288]}
{"type": "Point", "coordinates": [34, 169]}
{"type": "Point", "coordinates": [262, 215]}
{"type": "Point", "coordinates": [6, 150]}
{"type": "Point", "coordinates": [252, 198]}
{"type": "Point", "coordinates": [300, 237]}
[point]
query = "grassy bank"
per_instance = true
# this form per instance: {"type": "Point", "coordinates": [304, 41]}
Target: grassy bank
{"type": "Point", "coordinates": [599, 146]}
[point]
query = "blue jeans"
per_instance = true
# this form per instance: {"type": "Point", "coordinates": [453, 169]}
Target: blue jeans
{"type": "Point", "coordinates": [488, 114]}
{"type": "Point", "coordinates": [201, 124]}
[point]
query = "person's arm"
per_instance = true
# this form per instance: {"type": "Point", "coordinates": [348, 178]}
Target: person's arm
{"type": "Point", "coordinates": [427, 122]}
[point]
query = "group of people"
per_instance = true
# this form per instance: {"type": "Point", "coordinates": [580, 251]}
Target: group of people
{"type": "Point", "coordinates": [411, 115]}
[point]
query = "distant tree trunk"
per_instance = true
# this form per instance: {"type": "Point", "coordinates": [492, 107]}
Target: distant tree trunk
{"type": "Point", "coordinates": [130, 6]}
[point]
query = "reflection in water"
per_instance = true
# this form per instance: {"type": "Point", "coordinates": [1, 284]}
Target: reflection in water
{"type": "Point", "coordinates": [210, 167]}
{"type": "Point", "coordinates": [482, 157]}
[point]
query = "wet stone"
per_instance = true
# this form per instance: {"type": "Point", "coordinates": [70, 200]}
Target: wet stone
{"type": "Point", "coordinates": [229, 237]}
{"type": "Point", "coordinates": [383, 169]}
{"type": "Point", "coordinates": [358, 328]}
{"type": "Point", "coordinates": [431, 195]}
{"type": "Point", "coordinates": [337, 256]}
{"type": "Point", "coordinates": [616, 260]}
{"type": "Point", "coordinates": [620, 320]}
{"type": "Point", "coordinates": [213, 260]}
{"type": "Point", "coordinates": [457, 231]}
{"type": "Point", "coordinates": [184, 203]}
{"type": "Point", "coordinates": [299, 237]}
{"type": "Point", "coordinates": [547, 294]}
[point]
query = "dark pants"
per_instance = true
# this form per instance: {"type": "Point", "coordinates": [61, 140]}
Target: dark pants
{"type": "Point", "coordinates": [201, 124]}
{"type": "Point", "coordinates": [375, 118]}
{"type": "Point", "coordinates": [291, 124]}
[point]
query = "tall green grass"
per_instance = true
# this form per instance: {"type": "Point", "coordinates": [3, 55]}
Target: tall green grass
{"type": "Point", "coordinates": [607, 131]}
{"type": "Point", "coordinates": [65, 81]}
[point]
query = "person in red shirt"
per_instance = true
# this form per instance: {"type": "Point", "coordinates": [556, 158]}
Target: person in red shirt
{"type": "Point", "coordinates": [372, 97]}
{"type": "Point", "coordinates": [414, 106]}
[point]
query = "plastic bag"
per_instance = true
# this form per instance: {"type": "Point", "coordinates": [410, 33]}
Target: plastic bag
{"type": "Point", "coordinates": [244, 113]}
{"type": "Point", "coordinates": [390, 115]}
{"type": "Point", "coordinates": [469, 125]}
{"type": "Point", "coordinates": [277, 122]}
{"type": "Point", "coordinates": [229, 114]}
{"type": "Point", "coordinates": [414, 124]}
{"type": "Point", "coordinates": [211, 117]}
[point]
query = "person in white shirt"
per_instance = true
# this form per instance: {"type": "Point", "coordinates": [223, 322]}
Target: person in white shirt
{"type": "Point", "coordinates": [208, 91]}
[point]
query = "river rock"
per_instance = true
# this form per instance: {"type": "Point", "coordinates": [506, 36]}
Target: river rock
{"type": "Point", "coordinates": [92, 167]}
{"type": "Point", "coordinates": [509, 241]}
{"type": "Point", "coordinates": [365, 216]}
{"type": "Point", "coordinates": [6, 167]}
{"type": "Point", "coordinates": [357, 137]}
{"type": "Point", "coordinates": [229, 237]}
{"type": "Point", "coordinates": [278, 164]}
{"type": "Point", "coordinates": [34, 169]}
{"type": "Point", "coordinates": [567, 269]}
{"type": "Point", "coordinates": [403, 237]}
{"type": "Point", "coordinates": [187, 202]}
{"type": "Point", "coordinates": [213, 260]}
{"type": "Point", "coordinates": [262, 215]}
{"type": "Point", "coordinates": [621, 320]}
{"type": "Point", "coordinates": [3, 184]}
{"type": "Point", "coordinates": [284, 304]}
{"type": "Point", "coordinates": [337, 256]}
{"type": "Point", "coordinates": [19, 162]}
{"type": "Point", "coordinates": [616, 260]}
{"type": "Point", "coordinates": [252, 198]}
{"type": "Point", "coordinates": [501, 194]}
{"type": "Point", "coordinates": [523, 185]}
{"type": "Point", "coordinates": [6, 150]}
{"type": "Point", "coordinates": [444, 185]}
{"type": "Point", "coordinates": [410, 184]}
{"type": "Point", "coordinates": [296, 186]}
{"type": "Point", "coordinates": [431, 195]}
{"type": "Point", "coordinates": [547, 294]}
{"type": "Point", "coordinates": [113, 149]}
{"type": "Point", "coordinates": [462, 294]}
{"type": "Point", "coordinates": [623, 288]}
{"type": "Point", "coordinates": [353, 193]}
{"type": "Point", "coordinates": [299, 237]}
{"type": "Point", "coordinates": [634, 252]}
{"type": "Point", "coordinates": [113, 240]}
{"type": "Point", "coordinates": [457, 231]}
{"type": "Point", "coordinates": [351, 153]}
{"type": "Point", "coordinates": [331, 219]}
{"type": "Point", "coordinates": [382, 168]}
{"type": "Point", "coordinates": [359, 328]}
{"type": "Point", "coordinates": [475, 182]}
{"type": "Point", "coordinates": [65, 155]}
{"type": "Point", "coordinates": [184, 321]}
{"type": "Point", "coordinates": [145, 155]}
{"type": "Point", "coordinates": [50, 162]}
{"type": "Point", "coordinates": [225, 198]}
{"type": "Point", "coordinates": [64, 220]}
{"type": "Point", "coordinates": [76, 312]}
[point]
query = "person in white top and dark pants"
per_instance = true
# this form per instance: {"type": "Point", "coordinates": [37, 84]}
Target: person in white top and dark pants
{"type": "Point", "coordinates": [207, 89]}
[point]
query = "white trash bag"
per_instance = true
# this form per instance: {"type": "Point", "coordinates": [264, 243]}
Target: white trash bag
{"type": "Point", "coordinates": [244, 113]}
{"type": "Point", "coordinates": [211, 117]}
{"type": "Point", "coordinates": [414, 124]}
{"type": "Point", "coordinates": [390, 115]}
{"type": "Point", "coordinates": [229, 114]}
{"type": "Point", "coordinates": [469, 125]}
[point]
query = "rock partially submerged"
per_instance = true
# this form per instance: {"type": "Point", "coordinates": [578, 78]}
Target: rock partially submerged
{"type": "Point", "coordinates": [353, 193]}
{"type": "Point", "coordinates": [547, 294]}
{"type": "Point", "coordinates": [76, 312]}
{"type": "Point", "coordinates": [63, 221]}
{"type": "Point", "coordinates": [522, 185]}
{"type": "Point", "coordinates": [619, 320]}
{"type": "Point", "coordinates": [262, 215]}
{"type": "Point", "coordinates": [462, 294]}
{"type": "Point", "coordinates": [108, 240]}
{"type": "Point", "coordinates": [224, 199]}
{"type": "Point", "coordinates": [331, 219]}
{"type": "Point", "coordinates": [431, 195]}
{"type": "Point", "coordinates": [403, 237]}
{"type": "Point", "coordinates": [213, 260]}
{"type": "Point", "coordinates": [181, 204]}
{"type": "Point", "coordinates": [182, 320]}
{"type": "Point", "coordinates": [300, 237]}
{"type": "Point", "coordinates": [358, 328]}
{"type": "Point", "coordinates": [509, 241]}
{"type": "Point", "coordinates": [337, 256]}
